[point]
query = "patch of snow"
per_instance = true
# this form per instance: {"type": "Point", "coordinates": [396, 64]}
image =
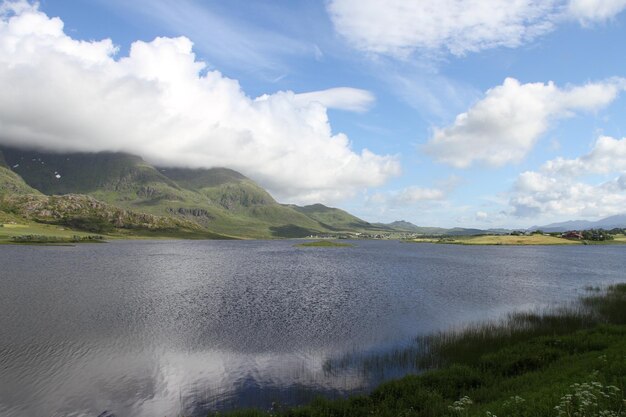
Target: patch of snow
{"type": "Point", "coordinates": [16, 165]}
{"type": "Point", "coordinates": [57, 176]}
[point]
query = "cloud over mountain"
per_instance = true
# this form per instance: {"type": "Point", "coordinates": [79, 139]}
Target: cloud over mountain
{"type": "Point", "coordinates": [160, 102]}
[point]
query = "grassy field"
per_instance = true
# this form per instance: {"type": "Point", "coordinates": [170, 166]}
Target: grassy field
{"type": "Point", "coordinates": [516, 240]}
{"type": "Point", "coordinates": [325, 244]}
{"type": "Point", "coordinates": [8, 231]}
{"type": "Point", "coordinates": [501, 240]}
{"type": "Point", "coordinates": [617, 240]}
{"type": "Point", "coordinates": [565, 362]}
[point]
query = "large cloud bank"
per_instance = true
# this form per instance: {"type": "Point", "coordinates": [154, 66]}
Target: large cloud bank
{"type": "Point", "coordinates": [576, 187]}
{"type": "Point", "coordinates": [505, 125]}
{"type": "Point", "coordinates": [398, 27]}
{"type": "Point", "coordinates": [159, 102]}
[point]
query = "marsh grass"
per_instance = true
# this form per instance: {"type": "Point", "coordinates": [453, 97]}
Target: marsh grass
{"type": "Point", "coordinates": [527, 364]}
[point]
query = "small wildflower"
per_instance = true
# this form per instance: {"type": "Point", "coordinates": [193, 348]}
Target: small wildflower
{"type": "Point", "coordinates": [587, 400]}
{"type": "Point", "coordinates": [460, 406]}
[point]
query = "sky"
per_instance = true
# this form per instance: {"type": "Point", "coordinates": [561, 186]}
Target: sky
{"type": "Point", "coordinates": [475, 113]}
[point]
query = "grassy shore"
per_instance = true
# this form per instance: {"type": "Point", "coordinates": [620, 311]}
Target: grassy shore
{"type": "Point", "coordinates": [569, 362]}
{"type": "Point", "coordinates": [25, 232]}
{"type": "Point", "coordinates": [325, 244]}
{"type": "Point", "coordinates": [55, 240]}
{"type": "Point", "coordinates": [536, 239]}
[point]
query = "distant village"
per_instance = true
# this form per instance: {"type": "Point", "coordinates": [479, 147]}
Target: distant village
{"type": "Point", "coordinates": [591, 234]}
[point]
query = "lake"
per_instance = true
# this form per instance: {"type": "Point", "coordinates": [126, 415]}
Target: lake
{"type": "Point", "coordinates": [155, 328]}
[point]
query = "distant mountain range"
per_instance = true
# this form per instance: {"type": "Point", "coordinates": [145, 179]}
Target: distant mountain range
{"type": "Point", "coordinates": [617, 221]}
{"type": "Point", "coordinates": [403, 225]}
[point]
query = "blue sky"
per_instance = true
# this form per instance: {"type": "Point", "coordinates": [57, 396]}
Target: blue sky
{"type": "Point", "coordinates": [476, 113]}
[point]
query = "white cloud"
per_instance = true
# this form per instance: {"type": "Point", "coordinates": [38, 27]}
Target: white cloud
{"type": "Point", "coordinates": [505, 125]}
{"type": "Point", "coordinates": [589, 11]}
{"type": "Point", "coordinates": [481, 216]}
{"type": "Point", "coordinates": [558, 188]}
{"type": "Point", "coordinates": [409, 196]}
{"type": "Point", "coordinates": [608, 155]}
{"type": "Point", "coordinates": [415, 194]}
{"type": "Point", "coordinates": [161, 103]}
{"type": "Point", "coordinates": [398, 27]}
{"type": "Point", "coordinates": [344, 98]}
{"type": "Point", "coordinates": [546, 196]}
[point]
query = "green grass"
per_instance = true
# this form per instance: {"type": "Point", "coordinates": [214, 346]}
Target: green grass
{"type": "Point", "coordinates": [501, 240]}
{"type": "Point", "coordinates": [55, 240]}
{"type": "Point", "coordinates": [12, 183]}
{"type": "Point", "coordinates": [536, 239]}
{"type": "Point", "coordinates": [13, 228]}
{"type": "Point", "coordinates": [526, 365]}
{"type": "Point", "coordinates": [9, 232]}
{"type": "Point", "coordinates": [325, 244]}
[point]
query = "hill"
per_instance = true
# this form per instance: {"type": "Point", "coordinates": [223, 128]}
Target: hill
{"type": "Point", "coordinates": [335, 219]}
{"type": "Point", "coordinates": [83, 212]}
{"type": "Point", "coordinates": [617, 221]}
{"type": "Point", "coordinates": [404, 226]}
{"type": "Point", "coordinates": [219, 200]}
{"type": "Point", "coordinates": [11, 183]}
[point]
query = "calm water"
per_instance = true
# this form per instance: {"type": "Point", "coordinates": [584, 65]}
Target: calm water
{"type": "Point", "coordinates": [170, 327]}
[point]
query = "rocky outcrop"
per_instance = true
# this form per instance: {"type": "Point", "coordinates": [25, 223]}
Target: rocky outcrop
{"type": "Point", "coordinates": [67, 208]}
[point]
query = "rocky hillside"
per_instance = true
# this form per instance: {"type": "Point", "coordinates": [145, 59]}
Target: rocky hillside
{"type": "Point", "coordinates": [13, 184]}
{"type": "Point", "coordinates": [83, 212]}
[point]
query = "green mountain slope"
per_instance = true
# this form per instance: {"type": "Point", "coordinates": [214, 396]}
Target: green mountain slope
{"type": "Point", "coordinates": [218, 199]}
{"type": "Point", "coordinates": [82, 212]}
{"type": "Point", "coordinates": [238, 205]}
{"type": "Point", "coordinates": [10, 182]}
{"type": "Point", "coordinates": [126, 176]}
{"type": "Point", "coordinates": [336, 219]}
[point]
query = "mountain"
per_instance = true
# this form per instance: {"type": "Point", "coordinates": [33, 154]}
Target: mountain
{"type": "Point", "coordinates": [12, 183]}
{"type": "Point", "coordinates": [617, 221]}
{"type": "Point", "coordinates": [404, 226]}
{"type": "Point", "coordinates": [82, 212]}
{"type": "Point", "coordinates": [335, 219]}
{"type": "Point", "coordinates": [218, 200]}
{"type": "Point", "coordinates": [126, 177]}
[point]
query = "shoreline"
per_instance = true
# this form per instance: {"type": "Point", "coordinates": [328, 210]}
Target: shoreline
{"type": "Point", "coordinates": [42, 231]}
{"type": "Point", "coordinates": [527, 364]}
